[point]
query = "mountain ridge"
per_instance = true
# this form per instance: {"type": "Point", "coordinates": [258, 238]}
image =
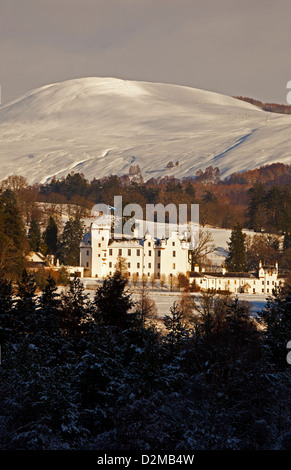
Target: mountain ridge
{"type": "Point", "coordinates": [100, 126]}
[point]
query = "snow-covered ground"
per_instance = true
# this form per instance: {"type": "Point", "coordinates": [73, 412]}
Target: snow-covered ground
{"type": "Point", "coordinates": [101, 126]}
{"type": "Point", "coordinates": [164, 298]}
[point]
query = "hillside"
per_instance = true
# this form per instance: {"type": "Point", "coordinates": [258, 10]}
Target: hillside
{"type": "Point", "coordinates": [103, 126]}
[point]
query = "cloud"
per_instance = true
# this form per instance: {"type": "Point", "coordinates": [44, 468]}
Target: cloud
{"type": "Point", "coordinates": [228, 46]}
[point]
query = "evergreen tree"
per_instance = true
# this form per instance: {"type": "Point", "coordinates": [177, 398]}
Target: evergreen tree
{"type": "Point", "coordinates": [274, 208]}
{"type": "Point", "coordinates": [69, 246]}
{"type": "Point", "coordinates": [26, 303]}
{"type": "Point", "coordinates": [13, 241]}
{"type": "Point", "coordinates": [190, 190]}
{"type": "Point", "coordinates": [177, 332]}
{"type": "Point", "coordinates": [276, 320]}
{"type": "Point", "coordinates": [256, 207]}
{"type": "Point", "coordinates": [34, 235]}
{"type": "Point", "coordinates": [287, 241]}
{"type": "Point", "coordinates": [113, 302]}
{"type": "Point", "coordinates": [236, 258]}
{"type": "Point", "coordinates": [50, 236]}
{"type": "Point", "coordinates": [74, 310]}
{"type": "Point", "coordinates": [6, 313]}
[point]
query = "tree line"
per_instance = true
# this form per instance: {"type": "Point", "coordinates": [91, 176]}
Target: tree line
{"type": "Point", "coordinates": [17, 240]}
{"type": "Point", "coordinates": [31, 217]}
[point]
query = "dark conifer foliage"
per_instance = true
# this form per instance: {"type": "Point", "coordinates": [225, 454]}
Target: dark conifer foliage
{"type": "Point", "coordinates": [34, 235]}
{"type": "Point", "coordinates": [84, 375]}
{"type": "Point", "coordinates": [276, 320]}
{"type": "Point", "coordinates": [68, 250]}
{"type": "Point", "coordinates": [236, 258]}
{"type": "Point", "coordinates": [13, 241]}
{"type": "Point", "coordinates": [112, 302]}
{"type": "Point", "coordinates": [50, 236]}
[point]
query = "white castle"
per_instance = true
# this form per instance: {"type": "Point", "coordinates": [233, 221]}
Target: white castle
{"type": "Point", "coordinates": [148, 256]}
{"type": "Point", "coordinates": [145, 256]}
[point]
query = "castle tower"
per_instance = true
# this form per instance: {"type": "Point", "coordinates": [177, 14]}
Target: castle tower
{"type": "Point", "coordinates": [100, 235]}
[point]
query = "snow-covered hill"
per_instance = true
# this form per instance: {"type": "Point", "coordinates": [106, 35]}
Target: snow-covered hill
{"type": "Point", "coordinates": [102, 126]}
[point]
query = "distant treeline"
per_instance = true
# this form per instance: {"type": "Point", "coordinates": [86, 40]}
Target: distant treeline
{"type": "Point", "coordinates": [271, 107]}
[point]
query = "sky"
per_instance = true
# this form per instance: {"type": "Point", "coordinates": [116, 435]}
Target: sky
{"type": "Point", "coordinates": [232, 47]}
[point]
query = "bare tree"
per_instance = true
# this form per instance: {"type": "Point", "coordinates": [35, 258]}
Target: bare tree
{"type": "Point", "coordinates": [146, 306]}
{"type": "Point", "coordinates": [153, 280]}
{"type": "Point", "coordinates": [162, 280]}
{"type": "Point", "coordinates": [204, 247]}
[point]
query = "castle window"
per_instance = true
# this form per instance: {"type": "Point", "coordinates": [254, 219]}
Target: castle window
{"type": "Point", "coordinates": [150, 265]}
{"type": "Point", "coordinates": [159, 252]}
{"type": "Point", "coordinates": [103, 239]}
{"type": "Point", "coordinates": [138, 265]}
{"type": "Point", "coordinates": [110, 264]}
{"type": "Point", "coordinates": [128, 265]}
{"type": "Point", "coordinates": [99, 244]}
{"type": "Point", "coordinates": [150, 252]}
{"type": "Point", "coordinates": [137, 252]}
{"type": "Point", "coordinates": [174, 266]}
{"type": "Point", "coordinates": [87, 264]}
{"type": "Point", "coordinates": [120, 251]}
{"type": "Point", "coordinates": [87, 252]}
{"type": "Point", "coordinates": [149, 243]}
{"type": "Point", "coordinates": [173, 243]}
{"type": "Point", "coordinates": [159, 265]}
{"type": "Point", "coordinates": [174, 254]}
{"type": "Point", "coordinates": [110, 251]}
{"type": "Point", "coordinates": [129, 252]}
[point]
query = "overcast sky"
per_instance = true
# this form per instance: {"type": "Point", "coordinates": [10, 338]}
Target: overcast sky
{"type": "Point", "coordinates": [234, 47]}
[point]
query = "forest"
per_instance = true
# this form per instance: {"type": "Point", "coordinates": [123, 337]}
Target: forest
{"type": "Point", "coordinates": [32, 216]}
{"type": "Point", "coordinates": [270, 107]}
{"type": "Point", "coordinates": [103, 374]}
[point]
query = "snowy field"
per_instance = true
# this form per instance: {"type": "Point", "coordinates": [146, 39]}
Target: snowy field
{"type": "Point", "coordinates": [102, 126]}
{"type": "Point", "coordinates": [164, 298]}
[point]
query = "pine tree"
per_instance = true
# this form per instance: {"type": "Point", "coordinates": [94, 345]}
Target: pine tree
{"type": "Point", "coordinates": [50, 236]}
{"type": "Point", "coordinates": [112, 302]}
{"type": "Point", "coordinates": [34, 235]}
{"type": "Point", "coordinates": [26, 303]}
{"type": "Point", "coordinates": [177, 332]}
{"type": "Point", "coordinates": [74, 310]}
{"type": "Point", "coordinates": [256, 207]}
{"type": "Point", "coordinates": [6, 313]}
{"type": "Point", "coordinates": [236, 259]}
{"type": "Point", "coordinates": [69, 246]}
{"type": "Point", "coordinates": [287, 241]}
{"type": "Point", "coordinates": [276, 320]}
{"type": "Point", "coordinates": [13, 241]}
